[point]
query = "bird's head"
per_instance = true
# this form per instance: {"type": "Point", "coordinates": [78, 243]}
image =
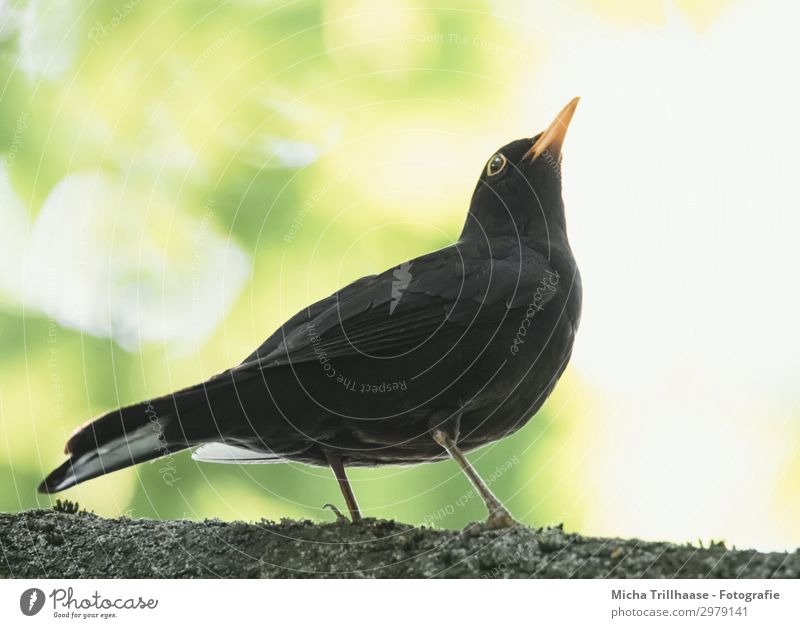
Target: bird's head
{"type": "Point", "coordinates": [519, 191]}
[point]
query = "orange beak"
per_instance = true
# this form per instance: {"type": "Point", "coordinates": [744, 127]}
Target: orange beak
{"type": "Point", "coordinates": [553, 137]}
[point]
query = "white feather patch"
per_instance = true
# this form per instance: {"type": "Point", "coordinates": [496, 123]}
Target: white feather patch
{"type": "Point", "coordinates": [230, 454]}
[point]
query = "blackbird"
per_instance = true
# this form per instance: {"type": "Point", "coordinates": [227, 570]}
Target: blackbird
{"type": "Point", "coordinates": [443, 354]}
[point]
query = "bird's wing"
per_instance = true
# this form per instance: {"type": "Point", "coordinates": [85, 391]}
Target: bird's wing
{"type": "Point", "coordinates": [404, 306]}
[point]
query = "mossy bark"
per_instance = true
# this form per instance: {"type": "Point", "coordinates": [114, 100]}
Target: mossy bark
{"type": "Point", "coordinates": [49, 544]}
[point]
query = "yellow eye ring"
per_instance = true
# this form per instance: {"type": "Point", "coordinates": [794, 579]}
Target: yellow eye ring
{"type": "Point", "coordinates": [496, 164]}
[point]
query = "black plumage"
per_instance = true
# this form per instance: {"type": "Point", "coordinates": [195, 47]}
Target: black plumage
{"type": "Point", "coordinates": [442, 354]}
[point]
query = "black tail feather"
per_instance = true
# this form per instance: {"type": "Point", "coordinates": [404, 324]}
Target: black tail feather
{"type": "Point", "coordinates": [119, 439]}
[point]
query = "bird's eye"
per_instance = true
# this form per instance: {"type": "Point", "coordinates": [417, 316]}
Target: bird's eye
{"type": "Point", "coordinates": [496, 164]}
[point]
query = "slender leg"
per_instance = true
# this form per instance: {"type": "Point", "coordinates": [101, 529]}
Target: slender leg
{"type": "Point", "coordinates": [344, 485]}
{"type": "Point", "coordinates": [499, 517]}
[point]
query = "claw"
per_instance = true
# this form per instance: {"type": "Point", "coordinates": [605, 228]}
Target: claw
{"type": "Point", "coordinates": [340, 518]}
{"type": "Point", "coordinates": [500, 520]}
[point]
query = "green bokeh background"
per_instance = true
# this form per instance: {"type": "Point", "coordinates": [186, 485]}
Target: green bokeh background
{"type": "Point", "coordinates": [271, 115]}
{"type": "Point", "coordinates": [297, 145]}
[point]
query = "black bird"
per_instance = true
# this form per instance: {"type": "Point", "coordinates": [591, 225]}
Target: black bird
{"type": "Point", "coordinates": [445, 353]}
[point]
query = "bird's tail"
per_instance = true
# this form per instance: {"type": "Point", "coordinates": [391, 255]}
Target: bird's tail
{"type": "Point", "coordinates": [117, 440]}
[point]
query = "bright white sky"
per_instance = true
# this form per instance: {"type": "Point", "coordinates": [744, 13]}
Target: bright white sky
{"type": "Point", "coordinates": [681, 183]}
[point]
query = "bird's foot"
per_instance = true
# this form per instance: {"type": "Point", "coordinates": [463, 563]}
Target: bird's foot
{"type": "Point", "coordinates": [496, 521]}
{"type": "Point", "coordinates": [500, 519]}
{"type": "Point", "coordinates": [340, 518]}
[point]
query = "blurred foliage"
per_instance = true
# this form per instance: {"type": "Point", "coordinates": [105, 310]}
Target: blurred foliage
{"type": "Point", "coordinates": [319, 140]}
{"type": "Point", "coordinates": [179, 178]}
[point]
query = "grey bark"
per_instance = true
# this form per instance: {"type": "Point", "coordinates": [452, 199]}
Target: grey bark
{"type": "Point", "coordinates": [50, 544]}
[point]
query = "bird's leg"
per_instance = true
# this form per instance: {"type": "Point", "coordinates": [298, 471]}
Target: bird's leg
{"type": "Point", "coordinates": [344, 485]}
{"type": "Point", "coordinates": [499, 517]}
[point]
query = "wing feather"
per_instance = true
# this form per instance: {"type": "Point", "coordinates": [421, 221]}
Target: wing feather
{"type": "Point", "coordinates": [375, 315]}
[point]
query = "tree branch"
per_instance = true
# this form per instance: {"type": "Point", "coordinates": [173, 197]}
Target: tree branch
{"type": "Point", "coordinates": [50, 544]}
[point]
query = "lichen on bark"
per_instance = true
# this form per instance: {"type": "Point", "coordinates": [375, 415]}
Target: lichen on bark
{"type": "Point", "coordinates": [52, 544]}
